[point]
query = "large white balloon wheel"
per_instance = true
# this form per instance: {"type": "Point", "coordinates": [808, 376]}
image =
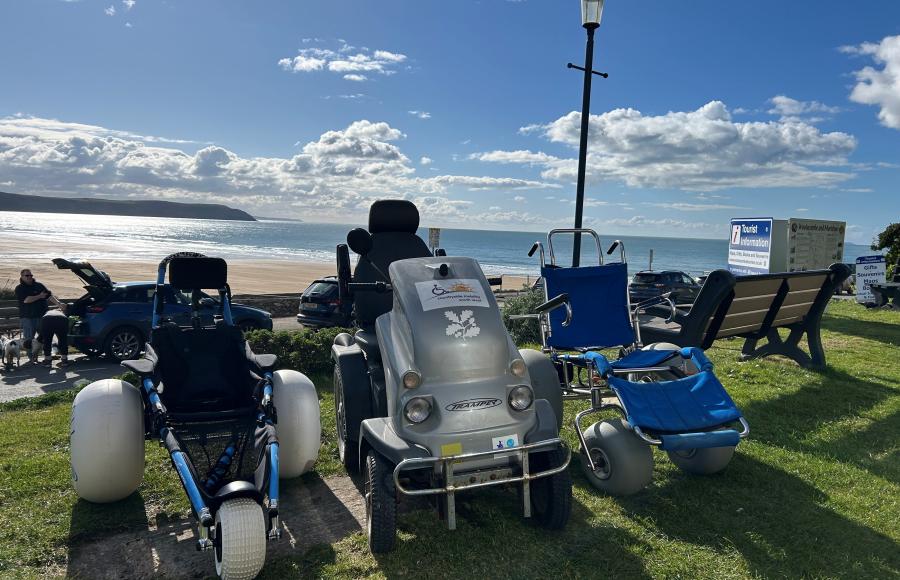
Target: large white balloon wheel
{"type": "Point", "coordinates": [240, 539]}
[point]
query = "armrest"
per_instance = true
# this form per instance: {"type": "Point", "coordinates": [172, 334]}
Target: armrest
{"type": "Point", "coordinates": [661, 311]}
{"type": "Point", "coordinates": [264, 362]}
{"type": "Point", "coordinates": [560, 301]}
{"type": "Point", "coordinates": [141, 366]}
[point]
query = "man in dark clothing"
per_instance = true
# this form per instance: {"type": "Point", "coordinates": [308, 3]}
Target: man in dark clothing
{"type": "Point", "coordinates": [32, 297]}
{"type": "Point", "coordinates": [55, 323]}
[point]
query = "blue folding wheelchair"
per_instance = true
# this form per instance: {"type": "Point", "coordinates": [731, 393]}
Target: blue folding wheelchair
{"type": "Point", "coordinates": [211, 402]}
{"type": "Point", "coordinates": [669, 396]}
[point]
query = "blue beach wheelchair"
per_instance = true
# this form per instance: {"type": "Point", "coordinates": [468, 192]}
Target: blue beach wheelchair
{"type": "Point", "coordinates": [211, 402]}
{"type": "Point", "coordinates": [668, 396]}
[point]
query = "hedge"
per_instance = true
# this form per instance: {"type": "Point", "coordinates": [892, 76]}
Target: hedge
{"type": "Point", "coordinates": [307, 351]}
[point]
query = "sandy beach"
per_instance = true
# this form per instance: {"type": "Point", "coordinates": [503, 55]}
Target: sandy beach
{"type": "Point", "coordinates": [246, 276]}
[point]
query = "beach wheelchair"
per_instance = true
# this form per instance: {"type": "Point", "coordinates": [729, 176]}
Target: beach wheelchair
{"type": "Point", "coordinates": [668, 397]}
{"type": "Point", "coordinates": [231, 424]}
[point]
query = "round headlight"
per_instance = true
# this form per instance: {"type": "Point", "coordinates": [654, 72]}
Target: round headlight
{"type": "Point", "coordinates": [517, 367]}
{"type": "Point", "coordinates": [417, 409]}
{"type": "Point", "coordinates": [411, 379]}
{"type": "Point", "coordinates": [521, 397]}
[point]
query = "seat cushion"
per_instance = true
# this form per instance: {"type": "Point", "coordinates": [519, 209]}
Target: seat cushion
{"type": "Point", "coordinates": [641, 359]}
{"type": "Point", "coordinates": [695, 403]}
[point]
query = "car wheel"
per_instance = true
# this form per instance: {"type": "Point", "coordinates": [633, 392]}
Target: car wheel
{"type": "Point", "coordinates": [124, 343]}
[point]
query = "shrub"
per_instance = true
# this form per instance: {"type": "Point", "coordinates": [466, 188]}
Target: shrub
{"type": "Point", "coordinates": [7, 290]}
{"type": "Point", "coordinates": [307, 351]}
{"type": "Point", "coordinates": [525, 331]}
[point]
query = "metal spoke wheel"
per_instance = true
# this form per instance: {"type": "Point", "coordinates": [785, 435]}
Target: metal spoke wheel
{"type": "Point", "coordinates": [124, 343]}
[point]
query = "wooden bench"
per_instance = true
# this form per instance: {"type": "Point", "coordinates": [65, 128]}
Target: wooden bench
{"type": "Point", "coordinates": [753, 308]}
{"type": "Point", "coordinates": [9, 317]}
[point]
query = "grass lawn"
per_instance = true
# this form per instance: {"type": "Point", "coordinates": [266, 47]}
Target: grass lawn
{"type": "Point", "coordinates": [814, 491]}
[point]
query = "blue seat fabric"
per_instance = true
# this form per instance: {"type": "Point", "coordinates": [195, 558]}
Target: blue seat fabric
{"type": "Point", "coordinates": [695, 403]}
{"type": "Point", "coordinates": [643, 359]}
{"type": "Point", "coordinates": [598, 296]}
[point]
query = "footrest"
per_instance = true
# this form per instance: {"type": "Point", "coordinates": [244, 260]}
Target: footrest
{"type": "Point", "coordinates": [723, 438]}
{"type": "Point", "coordinates": [693, 404]}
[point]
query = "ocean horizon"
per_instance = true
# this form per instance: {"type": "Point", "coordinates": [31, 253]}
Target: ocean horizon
{"type": "Point", "coordinates": [499, 252]}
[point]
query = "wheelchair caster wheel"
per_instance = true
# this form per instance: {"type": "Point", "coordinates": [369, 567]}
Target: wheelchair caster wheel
{"type": "Point", "coordinates": [240, 540]}
{"type": "Point", "coordinates": [702, 461]}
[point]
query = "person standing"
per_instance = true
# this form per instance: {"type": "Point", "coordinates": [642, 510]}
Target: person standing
{"type": "Point", "coordinates": [55, 323]}
{"type": "Point", "coordinates": [32, 297]}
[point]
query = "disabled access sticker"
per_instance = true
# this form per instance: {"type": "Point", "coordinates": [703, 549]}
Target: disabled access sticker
{"type": "Point", "coordinates": [505, 442]}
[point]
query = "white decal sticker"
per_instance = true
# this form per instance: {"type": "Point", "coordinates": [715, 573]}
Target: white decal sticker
{"type": "Point", "coordinates": [462, 325]}
{"type": "Point", "coordinates": [451, 293]}
{"type": "Point", "coordinates": [505, 442]}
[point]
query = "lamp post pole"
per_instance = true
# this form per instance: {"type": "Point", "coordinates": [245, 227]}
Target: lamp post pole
{"type": "Point", "coordinates": [582, 148]}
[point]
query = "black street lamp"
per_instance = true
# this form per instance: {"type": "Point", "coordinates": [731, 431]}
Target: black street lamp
{"type": "Point", "coordinates": [591, 12]}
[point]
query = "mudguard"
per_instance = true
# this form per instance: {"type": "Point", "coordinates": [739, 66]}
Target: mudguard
{"type": "Point", "coordinates": [379, 434]}
{"type": "Point", "coordinates": [299, 426]}
{"type": "Point", "coordinates": [351, 363]}
{"type": "Point", "coordinates": [546, 426]}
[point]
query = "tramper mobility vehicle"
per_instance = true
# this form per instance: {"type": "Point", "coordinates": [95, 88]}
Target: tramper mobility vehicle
{"type": "Point", "coordinates": [231, 423]}
{"type": "Point", "coordinates": [432, 397]}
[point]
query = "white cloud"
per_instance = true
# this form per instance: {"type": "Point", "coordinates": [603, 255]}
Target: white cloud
{"type": "Point", "coordinates": [334, 176]}
{"type": "Point", "coordinates": [128, 25]}
{"type": "Point", "coordinates": [425, 161]}
{"type": "Point", "coordinates": [802, 209]}
{"type": "Point", "coordinates": [111, 11]}
{"type": "Point", "coordinates": [701, 150]}
{"type": "Point", "coordinates": [695, 206]}
{"type": "Point", "coordinates": [348, 61]}
{"type": "Point", "coordinates": [420, 114]}
{"type": "Point", "coordinates": [519, 199]}
{"type": "Point", "coordinates": [788, 107]}
{"type": "Point", "coordinates": [879, 87]}
{"type": "Point", "coordinates": [129, 4]}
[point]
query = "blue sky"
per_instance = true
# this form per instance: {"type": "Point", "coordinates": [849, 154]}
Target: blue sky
{"type": "Point", "coordinates": [312, 109]}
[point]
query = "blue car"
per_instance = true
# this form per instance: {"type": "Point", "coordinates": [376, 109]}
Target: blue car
{"type": "Point", "coordinates": [114, 318]}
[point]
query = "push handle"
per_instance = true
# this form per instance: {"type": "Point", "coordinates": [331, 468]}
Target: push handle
{"type": "Point", "coordinates": [612, 248]}
{"type": "Point", "coordinates": [533, 249]}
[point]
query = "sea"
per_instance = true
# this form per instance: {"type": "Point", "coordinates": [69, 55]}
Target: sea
{"type": "Point", "coordinates": [100, 237]}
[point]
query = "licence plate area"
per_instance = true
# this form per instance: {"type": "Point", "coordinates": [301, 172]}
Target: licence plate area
{"type": "Point", "coordinates": [479, 478]}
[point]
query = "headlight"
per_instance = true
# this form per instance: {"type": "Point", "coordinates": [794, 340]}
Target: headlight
{"type": "Point", "coordinates": [417, 409]}
{"type": "Point", "coordinates": [411, 379]}
{"type": "Point", "coordinates": [521, 397]}
{"type": "Point", "coordinates": [517, 367]}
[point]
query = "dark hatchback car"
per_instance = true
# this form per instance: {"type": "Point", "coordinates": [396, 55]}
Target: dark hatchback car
{"type": "Point", "coordinates": [650, 284]}
{"type": "Point", "coordinates": [321, 306]}
{"type": "Point", "coordinates": [114, 318]}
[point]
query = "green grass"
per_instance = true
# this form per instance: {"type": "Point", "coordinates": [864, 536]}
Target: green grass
{"type": "Point", "coordinates": [814, 492]}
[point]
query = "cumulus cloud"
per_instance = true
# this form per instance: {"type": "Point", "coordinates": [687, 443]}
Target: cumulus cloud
{"type": "Point", "coordinates": [337, 174]}
{"type": "Point", "coordinates": [701, 150]}
{"type": "Point", "coordinates": [129, 4]}
{"type": "Point", "coordinates": [879, 87]}
{"type": "Point", "coordinates": [348, 61]}
{"type": "Point", "coordinates": [788, 107]}
{"type": "Point", "coordinates": [425, 161]}
{"type": "Point", "coordinates": [111, 11]}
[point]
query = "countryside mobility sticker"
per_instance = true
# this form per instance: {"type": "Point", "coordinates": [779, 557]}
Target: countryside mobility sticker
{"type": "Point", "coordinates": [451, 292]}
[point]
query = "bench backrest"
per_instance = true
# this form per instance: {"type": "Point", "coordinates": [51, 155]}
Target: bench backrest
{"type": "Point", "coordinates": [9, 316]}
{"type": "Point", "coordinates": [758, 303]}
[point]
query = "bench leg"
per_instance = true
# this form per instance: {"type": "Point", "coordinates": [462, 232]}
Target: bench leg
{"type": "Point", "coordinates": [790, 347]}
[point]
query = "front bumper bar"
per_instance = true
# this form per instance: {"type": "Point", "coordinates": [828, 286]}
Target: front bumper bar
{"type": "Point", "coordinates": [481, 478]}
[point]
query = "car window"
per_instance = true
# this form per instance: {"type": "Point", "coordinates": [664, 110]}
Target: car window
{"type": "Point", "coordinates": [688, 279]}
{"type": "Point", "coordinates": [184, 296]}
{"type": "Point", "coordinates": [132, 294]}
{"type": "Point", "coordinates": [646, 278]}
{"type": "Point", "coordinates": [322, 288]}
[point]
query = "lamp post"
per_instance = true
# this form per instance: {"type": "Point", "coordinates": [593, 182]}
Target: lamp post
{"type": "Point", "coordinates": [591, 12]}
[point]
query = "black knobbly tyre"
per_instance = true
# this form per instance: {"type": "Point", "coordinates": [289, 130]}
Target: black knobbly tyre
{"type": "Point", "coordinates": [551, 497]}
{"type": "Point", "coordinates": [348, 452]}
{"type": "Point", "coordinates": [381, 503]}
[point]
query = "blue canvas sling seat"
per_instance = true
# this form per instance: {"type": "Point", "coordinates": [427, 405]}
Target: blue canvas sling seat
{"type": "Point", "coordinates": [686, 413]}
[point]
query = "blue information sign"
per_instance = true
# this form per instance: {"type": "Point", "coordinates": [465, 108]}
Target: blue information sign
{"type": "Point", "coordinates": [750, 246]}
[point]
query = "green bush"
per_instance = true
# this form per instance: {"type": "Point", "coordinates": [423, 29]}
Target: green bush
{"type": "Point", "coordinates": [525, 331]}
{"type": "Point", "coordinates": [307, 351]}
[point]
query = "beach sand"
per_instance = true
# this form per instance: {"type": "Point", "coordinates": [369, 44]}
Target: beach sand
{"type": "Point", "coordinates": [246, 276]}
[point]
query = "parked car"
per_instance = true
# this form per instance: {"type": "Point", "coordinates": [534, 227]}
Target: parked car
{"type": "Point", "coordinates": [114, 318]}
{"type": "Point", "coordinates": [650, 284]}
{"type": "Point", "coordinates": [320, 305]}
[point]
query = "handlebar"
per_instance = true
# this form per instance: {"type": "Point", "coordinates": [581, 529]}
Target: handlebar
{"type": "Point", "coordinates": [533, 249]}
{"type": "Point", "coordinates": [561, 300]}
{"type": "Point", "coordinates": [612, 248]}
{"type": "Point", "coordinates": [380, 287]}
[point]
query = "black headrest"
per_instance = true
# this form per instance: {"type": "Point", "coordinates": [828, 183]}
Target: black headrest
{"type": "Point", "coordinates": [393, 215]}
{"type": "Point", "coordinates": [191, 273]}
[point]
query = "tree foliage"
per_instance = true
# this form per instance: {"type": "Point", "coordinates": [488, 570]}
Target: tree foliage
{"type": "Point", "coordinates": [889, 240]}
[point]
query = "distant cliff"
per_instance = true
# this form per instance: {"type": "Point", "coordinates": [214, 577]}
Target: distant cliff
{"type": "Point", "coordinates": [146, 208]}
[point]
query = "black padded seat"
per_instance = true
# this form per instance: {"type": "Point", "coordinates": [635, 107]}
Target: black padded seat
{"type": "Point", "coordinates": [368, 342]}
{"type": "Point", "coordinates": [393, 224]}
{"type": "Point", "coordinates": [203, 369]}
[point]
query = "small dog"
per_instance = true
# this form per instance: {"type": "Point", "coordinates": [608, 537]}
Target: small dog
{"type": "Point", "coordinates": [12, 351]}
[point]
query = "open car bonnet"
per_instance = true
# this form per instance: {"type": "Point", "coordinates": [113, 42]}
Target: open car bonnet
{"type": "Point", "coordinates": [93, 278]}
